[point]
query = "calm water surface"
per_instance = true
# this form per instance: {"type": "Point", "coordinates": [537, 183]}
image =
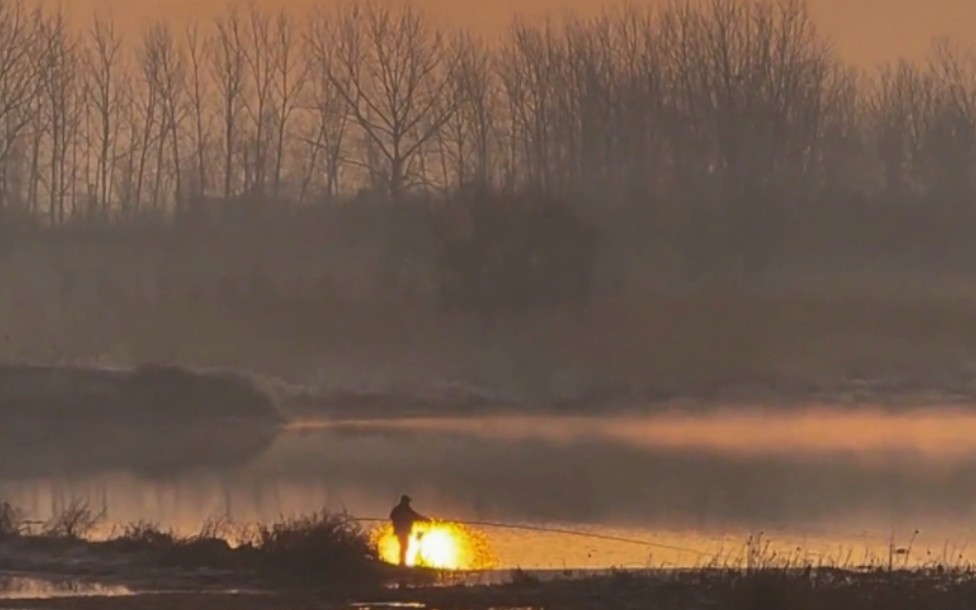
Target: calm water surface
{"type": "Point", "coordinates": [818, 485]}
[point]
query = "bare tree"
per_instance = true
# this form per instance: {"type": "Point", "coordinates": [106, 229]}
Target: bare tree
{"type": "Point", "coordinates": [150, 115]}
{"type": "Point", "coordinates": [289, 79]}
{"type": "Point", "coordinates": [228, 67]}
{"type": "Point", "coordinates": [530, 67]}
{"type": "Point", "coordinates": [106, 93]}
{"type": "Point", "coordinates": [843, 159]}
{"type": "Point", "coordinates": [329, 110]}
{"type": "Point", "coordinates": [259, 57]}
{"type": "Point", "coordinates": [198, 91]}
{"type": "Point", "coordinates": [131, 136]}
{"type": "Point", "coordinates": [60, 85]}
{"type": "Point", "coordinates": [467, 137]}
{"type": "Point", "coordinates": [38, 127]}
{"type": "Point", "coordinates": [950, 142]}
{"type": "Point", "coordinates": [23, 50]}
{"type": "Point", "coordinates": [392, 68]}
{"type": "Point", "coordinates": [900, 109]}
{"type": "Point", "coordinates": [587, 114]}
{"type": "Point", "coordinates": [169, 70]}
{"type": "Point", "coordinates": [641, 91]}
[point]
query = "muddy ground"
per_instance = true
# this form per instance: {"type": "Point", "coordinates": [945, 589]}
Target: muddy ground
{"type": "Point", "coordinates": [760, 590]}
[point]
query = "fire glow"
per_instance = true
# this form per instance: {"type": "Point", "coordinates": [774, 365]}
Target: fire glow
{"type": "Point", "coordinates": [438, 545]}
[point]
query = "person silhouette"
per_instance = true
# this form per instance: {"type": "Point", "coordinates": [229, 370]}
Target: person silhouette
{"type": "Point", "coordinates": [403, 517]}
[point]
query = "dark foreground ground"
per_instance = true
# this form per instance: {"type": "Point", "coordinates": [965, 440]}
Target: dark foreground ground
{"type": "Point", "coordinates": [762, 590]}
{"type": "Point", "coordinates": [325, 561]}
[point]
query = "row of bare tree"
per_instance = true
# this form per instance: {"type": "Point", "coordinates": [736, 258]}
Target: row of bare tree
{"type": "Point", "coordinates": [732, 103]}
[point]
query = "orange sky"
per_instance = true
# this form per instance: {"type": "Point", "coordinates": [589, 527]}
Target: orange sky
{"type": "Point", "coordinates": [866, 31]}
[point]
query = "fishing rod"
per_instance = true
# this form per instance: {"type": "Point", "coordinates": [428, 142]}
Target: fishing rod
{"type": "Point", "coordinates": [558, 530]}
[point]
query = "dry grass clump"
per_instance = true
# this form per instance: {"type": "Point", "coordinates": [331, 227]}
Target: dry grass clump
{"type": "Point", "coordinates": [10, 520]}
{"type": "Point", "coordinates": [317, 545]}
{"type": "Point", "coordinates": [322, 549]}
{"type": "Point", "coordinates": [76, 521]}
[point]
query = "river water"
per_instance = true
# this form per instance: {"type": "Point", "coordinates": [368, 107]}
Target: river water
{"type": "Point", "coordinates": [728, 487]}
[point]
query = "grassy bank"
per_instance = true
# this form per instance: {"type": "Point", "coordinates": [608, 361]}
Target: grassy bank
{"type": "Point", "coordinates": [324, 550]}
{"type": "Point", "coordinates": [324, 560]}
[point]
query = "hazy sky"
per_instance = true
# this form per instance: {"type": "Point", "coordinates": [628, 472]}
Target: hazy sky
{"type": "Point", "coordinates": [866, 31]}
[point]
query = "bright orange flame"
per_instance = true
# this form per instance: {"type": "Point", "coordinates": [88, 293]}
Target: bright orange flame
{"type": "Point", "coordinates": [439, 545]}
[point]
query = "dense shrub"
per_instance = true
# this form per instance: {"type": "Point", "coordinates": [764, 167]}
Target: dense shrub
{"type": "Point", "coordinates": [322, 546]}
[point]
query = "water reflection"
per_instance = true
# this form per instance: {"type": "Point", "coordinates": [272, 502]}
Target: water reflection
{"type": "Point", "coordinates": [20, 587]}
{"type": "Point", "coordinates": [835, 485]}
{"type": "Point", "coordinates": [37, 448]}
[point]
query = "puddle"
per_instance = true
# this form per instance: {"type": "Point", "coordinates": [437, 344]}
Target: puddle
{"type": "Point", "coordinates": [389, 605]}
{"type": "Point", "coordinates": [25, 587]}
{"type": "Point", "coordinates": [415, 606]}
{"type": "Point", "coordinates": [409, 606]}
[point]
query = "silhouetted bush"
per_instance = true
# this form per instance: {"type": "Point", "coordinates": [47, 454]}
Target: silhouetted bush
{"type": "Point", "coordinates": [172, 390]}
{"type": "Point", "coordinates": [75, 521]}
{"type": "Point", "coordinates": [10, 518]}
{"type": "Point", "coordinates": [321, 545]}
{"type": "Point", "coordinates": [141, 535]}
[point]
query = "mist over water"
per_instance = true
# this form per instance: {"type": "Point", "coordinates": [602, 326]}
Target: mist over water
{"type": "Point", "coordinates": [813, 478]}
{"type": "Point", "coordinates": [938, 434]}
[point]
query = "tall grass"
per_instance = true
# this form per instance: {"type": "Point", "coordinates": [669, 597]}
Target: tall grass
{"type": "Point", "coordinates": [75, 521]}
{"type": "Point", "coordinates": [10, 520]}
{"type": "Point", "coordinates": [322, 549]}
{"type": "Point", "coordinates": [317, 545]}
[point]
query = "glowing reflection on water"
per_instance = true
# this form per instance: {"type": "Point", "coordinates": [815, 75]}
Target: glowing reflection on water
{"type": "Point", "coordinates": [440, 545]}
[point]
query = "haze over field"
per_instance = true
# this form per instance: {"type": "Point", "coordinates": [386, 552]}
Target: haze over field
{"type": "Point", "coordinates": [602, 211]}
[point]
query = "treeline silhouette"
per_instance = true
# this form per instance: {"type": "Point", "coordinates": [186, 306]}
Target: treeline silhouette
{"type": "Point", "coordinates": [715, 126]}
{"type": "Point", "coordinates": [301, 171]}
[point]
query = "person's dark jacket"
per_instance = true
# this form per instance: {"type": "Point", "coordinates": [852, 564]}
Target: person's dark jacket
{"type": "Point", "coordinates": [403, 517]}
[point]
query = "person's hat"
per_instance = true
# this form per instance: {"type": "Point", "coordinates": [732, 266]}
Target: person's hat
{"type": "Point", "coordinates": [405, 499]}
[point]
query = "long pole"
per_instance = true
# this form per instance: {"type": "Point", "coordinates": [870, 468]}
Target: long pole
{"type": "Point", "coordinates": [557, 530]}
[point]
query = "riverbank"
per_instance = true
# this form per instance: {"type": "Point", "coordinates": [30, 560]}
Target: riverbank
{"type": "Point", "coordinates": [324, 550]}
{"type": "Point", "coordinates": [128, 395]}
{"type": "Point", "coordinates": [325, 561]}
{"type": "Point", "coordinates": [150, 420]}
{"type": "Point", "coordinates": [777, 393]}
{"type": "Point", "coordinates": [804, 589]}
